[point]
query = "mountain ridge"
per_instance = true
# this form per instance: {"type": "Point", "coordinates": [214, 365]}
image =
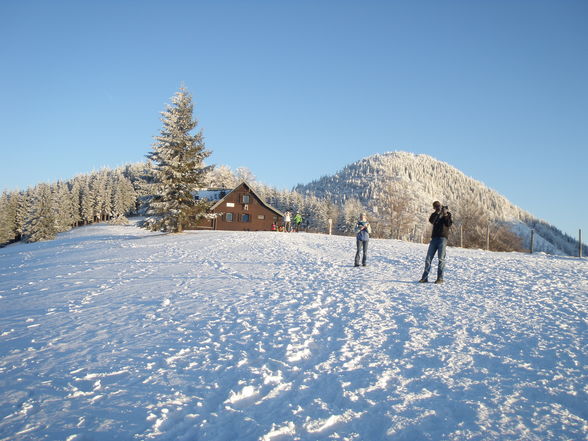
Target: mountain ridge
{"type": "Point", "coordinates": [378, 179]}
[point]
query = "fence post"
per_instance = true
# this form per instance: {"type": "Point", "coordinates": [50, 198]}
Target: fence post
{"type": "Point", "coordinates": [330, 221]}
{"type": "Point", "coordinates": [532, 240]}
{"type": "Point", "coordinates": [461, 235]}
{"type": "Point", "coordinates": [580, 243]}
{"type": "Point", "coordinates": [488, 238]}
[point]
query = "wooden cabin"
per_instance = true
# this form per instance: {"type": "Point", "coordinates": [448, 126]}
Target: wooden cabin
{"type": "Point", "coordinates": [240, 209]}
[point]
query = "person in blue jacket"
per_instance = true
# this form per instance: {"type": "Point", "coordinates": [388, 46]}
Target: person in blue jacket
{"type": "Point", "coordinates": [363, 231]}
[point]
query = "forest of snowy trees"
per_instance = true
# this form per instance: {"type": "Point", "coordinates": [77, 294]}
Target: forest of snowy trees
{"type": "Point", "coordinates": [395, 189]}
{"type": "Point", "coordinates": [39, 213]}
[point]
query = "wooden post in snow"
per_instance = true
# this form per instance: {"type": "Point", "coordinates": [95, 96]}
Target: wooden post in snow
{"type": "Point", "coordinates": [330, 225]}
{"type": "Point", "coordinates": [532, 240]}
{"type": "Point", "coordinates": [488, 238]}
{"type": "Point", "coordinates": [580, 243]}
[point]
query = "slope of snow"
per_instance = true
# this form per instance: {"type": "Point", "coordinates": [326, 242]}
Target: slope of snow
{"type": "Point", "coordinates": [115, 333]}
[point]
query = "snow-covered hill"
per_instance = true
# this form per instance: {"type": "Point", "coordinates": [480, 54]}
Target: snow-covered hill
{"type": "Point", "coordinates": [423, 179]}
{"type": "Point", "coordinates": [116, 333]}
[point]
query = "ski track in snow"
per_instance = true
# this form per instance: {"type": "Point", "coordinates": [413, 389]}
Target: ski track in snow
{"type": "Point", "coordinates": [115, 333]}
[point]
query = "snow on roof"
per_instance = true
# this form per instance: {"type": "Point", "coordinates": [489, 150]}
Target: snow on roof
{"type": "Point", "coordinates": [213, 194]}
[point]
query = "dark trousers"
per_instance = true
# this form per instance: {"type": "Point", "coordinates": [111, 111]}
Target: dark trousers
{"type": "Point", "coordinates": [361, 244]}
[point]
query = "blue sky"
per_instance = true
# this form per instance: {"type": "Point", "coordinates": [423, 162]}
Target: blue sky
{"type": "Point", "coordinates": [294, 90]}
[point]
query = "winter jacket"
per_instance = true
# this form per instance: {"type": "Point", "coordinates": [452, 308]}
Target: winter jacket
{"type": "Point", "coordinates": [441, 224]}
{"type": "Point", "coordinates": [363, 233]}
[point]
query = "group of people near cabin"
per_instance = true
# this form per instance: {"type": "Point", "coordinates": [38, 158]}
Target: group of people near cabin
{"type": "Point", "coordinates": [441, 220]}
{"type": "Point", "coordinates": [287, 225]}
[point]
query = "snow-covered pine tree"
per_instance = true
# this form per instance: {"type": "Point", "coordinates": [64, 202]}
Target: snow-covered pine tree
{"type": "Point", "coordinates": [101, 194]}
{"type": "Point", "coordinates": [75, 193]}
{"type": "Point", "coordinates": [398, 210]}
{"type": "Point", "coordinates": [221, 177]}
{"type": "Point", "coordinates": [86, 200]}
{"type": "Point", "coordinates": [22, 212]}
{"type": "Point", "coordinates": [8, 206]}
{"type": "Point", "coordinates": [41, 221]}
{"type": "Point", "coordinates": [349, 215]}
{"type": "Point", "coordinates": [123, 195]}
{"type": "Point", "coordinates": [138, 174]}
{"type": "Point", "coordinates": [65, 207]}
{"type": "Point", "coordinates": [179, 170]}
{"type": "Point", "coordinates": [244, 174]}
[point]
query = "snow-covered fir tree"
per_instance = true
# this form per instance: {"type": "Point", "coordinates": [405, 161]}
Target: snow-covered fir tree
{"type": "Point", "coordinates": [178, 168]}
{"type": "Point", "coordinates": [74, 194]}
{"type": "Point", "coordinates": [41, 220]}
{"type": "Point", "coordinates": [221, 177]}
{"type": "Point", "coordinates": [244, 174]}
{"type": "Point", "coordinates": [65, 207]}
{"type": "Point", "coordinates": [87, 198]}
{"type": "Point", "coordinates": [101, 192]}
{"type": "Point", "coordinates": [123, 195]}
{"type": "Point", "coordinates": [8, 207]}
{"type": "Point", "coordinates": [22, 212]}
{"type": "Point", "coordinates": [350, 212]}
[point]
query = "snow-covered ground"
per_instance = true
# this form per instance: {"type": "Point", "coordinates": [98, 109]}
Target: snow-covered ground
{"type": "Point", "coordinates": [116, 333]}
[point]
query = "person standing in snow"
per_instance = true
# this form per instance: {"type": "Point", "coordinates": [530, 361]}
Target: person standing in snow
{"type": "Point", "coordinates": [441, 220]}
{"type": "Point", "coordinates": [287, 221]}
{"type": "Point", "coordinates": [363, 231]}
{"type": "Point", "coordinates": [297, 221]}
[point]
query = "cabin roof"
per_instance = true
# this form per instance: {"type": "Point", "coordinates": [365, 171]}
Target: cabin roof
{"type": "Point", "coordinates": [243, 183]}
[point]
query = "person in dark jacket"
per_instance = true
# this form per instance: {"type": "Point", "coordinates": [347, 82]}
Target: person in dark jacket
{"type": "Point", "coordinates": [441, 220]}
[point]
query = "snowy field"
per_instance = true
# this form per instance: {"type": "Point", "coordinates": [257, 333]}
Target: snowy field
{"type": "Point", "coordinates": [115, 333]}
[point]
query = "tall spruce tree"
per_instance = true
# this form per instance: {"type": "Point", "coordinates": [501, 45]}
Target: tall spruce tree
{"type": "Point", "coordinates": [123, 195]}
{"type": "Point", "coordinates": [41, 221]}
{"type": "Point", "coordinates": [8, 207]}
{"type": "Point", "coordinates": [178, 167]}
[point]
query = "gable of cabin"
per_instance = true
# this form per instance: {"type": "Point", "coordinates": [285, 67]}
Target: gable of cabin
{"type": "Point", "coordinates": [241, 210]}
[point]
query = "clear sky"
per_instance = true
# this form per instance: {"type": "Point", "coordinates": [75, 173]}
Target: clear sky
{"type": "Point", "coordinates": [295, 90]}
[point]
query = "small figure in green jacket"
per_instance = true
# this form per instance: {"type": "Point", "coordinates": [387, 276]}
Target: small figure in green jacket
{"type": "Point", "coordinates": [297, 221]}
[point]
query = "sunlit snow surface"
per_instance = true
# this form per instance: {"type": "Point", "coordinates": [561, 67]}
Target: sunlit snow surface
{"type": "Point", "coordinates": [115, 333]}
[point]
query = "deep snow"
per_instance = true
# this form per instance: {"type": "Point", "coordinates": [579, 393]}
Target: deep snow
{"type": "Point", "coordinates": [116, 333]}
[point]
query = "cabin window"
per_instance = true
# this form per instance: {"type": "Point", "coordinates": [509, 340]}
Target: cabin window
{"type": "Point", "coordinates": [261, 216]}
{"type": "Point", "coordinates": [229, 217]}
{"type": "Point", "coordinates": [245, 198]}
{"type": "Point", "coordinates": [244, 218]}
